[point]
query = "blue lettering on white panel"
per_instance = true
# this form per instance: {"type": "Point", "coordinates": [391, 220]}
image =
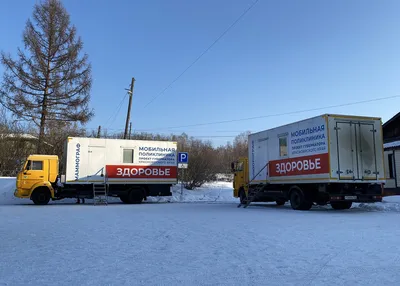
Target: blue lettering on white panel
{"type": "Point", "coordinates": [308, 140]}
{"type": "Point", "coordinates": [252, 158]}
{"type": "Point", "coordinates": [158, 155]}
{"type": "Point", "coordinates": [77, 160]}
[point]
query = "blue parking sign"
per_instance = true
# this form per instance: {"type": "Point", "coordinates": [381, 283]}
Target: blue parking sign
{"type": "Point", "coordinates": [183, 157]}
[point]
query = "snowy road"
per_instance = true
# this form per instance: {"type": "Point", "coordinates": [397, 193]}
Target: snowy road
{"type": "Point", "coordinates": [197, 244]}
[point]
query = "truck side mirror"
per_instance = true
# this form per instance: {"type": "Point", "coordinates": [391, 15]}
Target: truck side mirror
{"type": "Point", "coordinates": [232, 167]}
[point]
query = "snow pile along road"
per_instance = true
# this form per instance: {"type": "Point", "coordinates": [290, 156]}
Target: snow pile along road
{"type": "Point", "coordinates": [7, 188]}
{"type": "Point", "coordinates": [212, 192]}
{"type": "Point", "coordinates": [388, 204]}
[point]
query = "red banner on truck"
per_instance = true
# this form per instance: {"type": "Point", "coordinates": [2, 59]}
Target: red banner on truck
{"type": "Point", "coordinates": [141, 172]}
{"type": "Point", "coordinates": [307, 165]}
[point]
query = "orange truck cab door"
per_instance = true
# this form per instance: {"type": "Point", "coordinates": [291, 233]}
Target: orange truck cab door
{"type": "Point", "coordinates": [239, 169]}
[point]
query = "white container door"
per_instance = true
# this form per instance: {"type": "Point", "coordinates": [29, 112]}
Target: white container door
{"type": "Point", "coordinates": [96, 158]}
{"type": "Point", "coordinates": [261, 159]}
{"type": "Point", "coordinates": [346, 150]}
{"type": "Point", "coordinates": [366, 151]}
{"type": "Point", "coordinates": [356, 151]}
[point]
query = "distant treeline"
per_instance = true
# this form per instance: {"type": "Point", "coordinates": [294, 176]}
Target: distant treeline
{"type": "Point", "coordinates": [206, 161]}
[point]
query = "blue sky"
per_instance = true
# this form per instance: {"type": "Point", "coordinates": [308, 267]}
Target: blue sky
{"type": "Point", "coordinates": [283, 56]}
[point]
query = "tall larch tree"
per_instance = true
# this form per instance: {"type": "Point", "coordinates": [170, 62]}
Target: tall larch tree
{"type": "Point", "coordinates": [50, 80]}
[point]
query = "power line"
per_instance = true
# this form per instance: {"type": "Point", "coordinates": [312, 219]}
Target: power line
{"type": "Point", "coordinates": [188, 131]}
{"type": "Point", "coordinates": [211, 136]}
{"type": "Point", "coordinates": [118, 110]}
{"type": "Point", "coordinates": [251, 118]}
{"type": "Point", "coordinates": [278, 114]}
{"type": "Point", "coordinates": [204, 52]}
{"type": "Point", "coordinates": [190, 136]}
{"type": "Point", "coordinates": [166, 130]}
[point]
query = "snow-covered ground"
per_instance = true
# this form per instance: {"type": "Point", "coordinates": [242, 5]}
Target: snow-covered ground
{"type": "Point", "coordinates": [206, 242]}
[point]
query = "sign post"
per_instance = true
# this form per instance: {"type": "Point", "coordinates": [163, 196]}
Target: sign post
{"type": "Point", "coordinates": [183, 162]}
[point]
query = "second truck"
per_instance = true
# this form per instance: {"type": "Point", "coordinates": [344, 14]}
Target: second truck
{"type": "Point", "coordinates": [328, 159]}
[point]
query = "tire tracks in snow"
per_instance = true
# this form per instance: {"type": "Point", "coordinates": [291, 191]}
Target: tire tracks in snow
{"type": "Point", "coordinates": [323, 266]}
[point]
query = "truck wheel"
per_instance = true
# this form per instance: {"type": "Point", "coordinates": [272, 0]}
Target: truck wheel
{"type": "Point", "coordinates": [298, 200]}
{"type": "Point", "coordinates": [41, 196]}
{"type": "Point", "coordinates": [341, 205]}
{"type": "Point", "coordinates": [280, 202]}
{"type": "Point", "coordinates": [124, 199]}
{"type": "Point", "coordinates": [136, 196]}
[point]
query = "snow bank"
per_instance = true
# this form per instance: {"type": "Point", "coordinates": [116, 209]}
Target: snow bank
{"type": "Point", "coordinates": [392, 199]}
{"type": "Point", "coordinates": [7, 188]}
{"type": "Point", "coordinates": [388, 204]}
{"type": "Point", "coordinates": [212, 192]}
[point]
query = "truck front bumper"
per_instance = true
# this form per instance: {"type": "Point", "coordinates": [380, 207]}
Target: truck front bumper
{"type": "Point", "coordinates": [16, 194]}
{"type": "Point", "coordinates": [358, 198]}
{"type": "Point", "coordinates": [19, 194]}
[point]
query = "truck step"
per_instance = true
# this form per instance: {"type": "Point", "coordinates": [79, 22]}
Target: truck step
{"type": "Point", "coordinates": [100, 194]}
{"type": "Point", "coordinates": [252, 195]}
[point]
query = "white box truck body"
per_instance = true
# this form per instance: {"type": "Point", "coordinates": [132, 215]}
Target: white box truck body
{"type": "Point", "coordinates": [327, 157]}
{"type": "Point", "coordinates": [88, 160]}
{"type": "Point", "coordinates": [320, 149]}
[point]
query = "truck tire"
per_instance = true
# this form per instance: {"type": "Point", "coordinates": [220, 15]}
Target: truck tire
{"type": "Point", "coordinates": [341, 205]}
{"type": "Point", "coordinates": [298, 200]}
{"type": "Point", "coordinates": [41, 196]}
{"type": "Point", "coordinates": [124, 199]}
{"type": "Point", "coordinates": [136, 196]}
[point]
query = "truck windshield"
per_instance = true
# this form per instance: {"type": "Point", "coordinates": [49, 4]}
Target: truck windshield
{"type": "Point", "coordinates": [239, 166]}
{"type": "Point", "coordinates": [34, 166]}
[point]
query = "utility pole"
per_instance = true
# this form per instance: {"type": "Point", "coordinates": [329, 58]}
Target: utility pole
{"type": "Point", "coordinates": [128, 116]}
{"type": "Point", "coordinates": [99, 131]}
{"type": "Point", "coordinates": [130, 130]}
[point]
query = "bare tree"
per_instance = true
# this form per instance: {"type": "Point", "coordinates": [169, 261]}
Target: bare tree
{"type": "Point", "coordinates": [15, 146]}
{"type": "Point", "coordinates": [225, 157]}
{"type": "Point", "coordinates": [203, 162]}
{"type": "Point", "coordinates": [49, 81]}
{"type": "Point", "coordinates": [240, 145]}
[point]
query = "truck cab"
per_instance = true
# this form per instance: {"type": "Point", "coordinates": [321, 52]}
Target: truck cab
{"type": "Point", "coordinates": [37, 179]}
{"type": "Point", "coordinates": [240, 178]}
